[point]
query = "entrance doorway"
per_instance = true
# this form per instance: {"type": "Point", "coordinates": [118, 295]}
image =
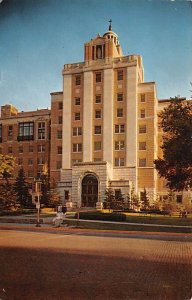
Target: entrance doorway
{"type": "Point", "coordinates": [89, 194]}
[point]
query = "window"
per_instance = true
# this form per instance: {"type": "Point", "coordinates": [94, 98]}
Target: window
{"type": "Point", "coordinates": [120, 75]}
{"type": "Point", "coordinates": [98, 114]}
{"type": "Point", "coordinates": [77, 101]}
{"type": "Point", "coordinates": [142, 97]}
{"type": "Point", "coordinates": [40, 161]}
{"type": "Point", "coordinates": [97, 146]}
{"type": "Point", "coordinates": [97, 129]}
{"type": "Point", "coordinates": [41, 148]}
{"type": "Point", "coordinates": [119, 161]}
{"type": "Point", "coordinates": [142, 162]}
{"type": "Point", "coordinates": [59, 134]}
{"type": "Point", "coordinates": [120, 112]}
{"type": "Point", "coordinates": [179, 198]}
{"type": "Point", "coordinates": [20, 149]}
{"type": "Point", "coordinates": [0, 133]}
{"type": "Point", "coordinates": [120, 128]}
{"type": "Point", "coordinates": [10, 150]}
{"type": "Point", "coordinates": [59, 150]}
{"type": "Point", "coordinates": [60, 119]}
{"type": "Point", "coordinates": [26, 131]}
{"type": "Point", "coordinates": [77, 116]}
{"type": "Point", "coordinates": [98, 77]}
{"type": "Point", "coordinates": [41, 131]}
{"type": "Point", "coordinates": [77, 131]}
{"type": "Point", "coordinates": [20, 161]}
{"type": "Point", "coordinates": [142, 113]}
{"type": "Point", "coordinates": [142, 145]}
{"type": "Point", "coordinates": [77, 147]}
{"type": "Point", "coordinates": [142, 129]}
{"type": "Point", "coordinates": [97, 159]}
{"type": "Point", "coordinates": [30, 148]}
{"type": "Point", "coordinates": [59, 165]}
{"type": "Point", "coordinates": [119, 97]}
{"type": "Point", "coordinates": [30, 173]}
{"type": "Point", "coordinates": [78, 80]}
{"type": "Point", "coordinates": [119, 145]}
{"type": "Point", "coordinates": [30, 162]}
{"type": "Point", "coordinates": [60, 105]}
{"type": "Point", "coordinates": [98, 99]}
{"type": "Point", "coordinates": [10, 131]}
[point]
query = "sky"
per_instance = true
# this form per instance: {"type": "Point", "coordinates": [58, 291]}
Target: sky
{"type": "Point", "coordinates": [37, 37]}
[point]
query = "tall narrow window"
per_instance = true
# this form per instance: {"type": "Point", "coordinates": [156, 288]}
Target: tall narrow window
{"type": "Point", "coordinates": [77, 116]}
{"type": "Point", "coordinates": [78, 80]}
{"type": "Point", "coordinates": [142, 145]}
{"type": "Point", "coordinates": [120, 75]}
{"type": "Point", "coordinates": [142, 162]}
{"type": "Point", "coordinates": [59, 150]}
{"type": "Point", "coordinates": [59, 134]}
{"type": "Point", "coordinates": [77, 101]}
{"type": "Point", "coordinates": [98, 99]}
{"type": "Point", "coordinates": [120, 112]}
{"type": "Point", "coordinates": [119, 97]}
{"type": "Point", "coordinates": [41, 131]}
{"type": "Point", "coordinates": [142, 129]}
{"type": "Point", "coordinates": [142, 113]}
{"type": "Point", "coordinates": [98, 77]}
{"type": "Point", "coordinates": [98, 114]}
{"type": "Point", "coordinates": [60, 105]}
{"type": "Point", "coordinates": [142, 97]}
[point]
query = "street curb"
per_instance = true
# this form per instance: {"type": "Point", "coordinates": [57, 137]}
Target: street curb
{"type": "Point", "coordinates": [80, 230]}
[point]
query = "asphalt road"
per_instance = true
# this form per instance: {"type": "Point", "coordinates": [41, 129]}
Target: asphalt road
{"type": "Point", "coordinates": [79, 265]}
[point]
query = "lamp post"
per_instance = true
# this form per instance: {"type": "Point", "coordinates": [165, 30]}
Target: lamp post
{"type": "Point", "coordinates": [38, 205]}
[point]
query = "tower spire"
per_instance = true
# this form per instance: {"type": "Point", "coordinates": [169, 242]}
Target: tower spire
{"type": "Point", "coordinates": [110, 26]}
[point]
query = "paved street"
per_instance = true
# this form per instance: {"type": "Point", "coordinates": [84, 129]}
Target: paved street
{"type": "Point", "coordinates": [73, 264]}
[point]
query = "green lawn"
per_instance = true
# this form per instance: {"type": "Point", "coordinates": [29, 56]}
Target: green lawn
{"type": "Point", "coordinates": [159, 219]}
{"type": "Point", "coordinates": [124, 227]}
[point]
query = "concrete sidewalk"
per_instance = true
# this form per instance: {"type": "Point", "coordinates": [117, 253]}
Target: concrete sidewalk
{"type": "Point", "coordinates": [31, 219]}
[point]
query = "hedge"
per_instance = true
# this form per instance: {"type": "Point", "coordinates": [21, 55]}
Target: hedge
{"type": "Point", "coordinates": [117, 217]}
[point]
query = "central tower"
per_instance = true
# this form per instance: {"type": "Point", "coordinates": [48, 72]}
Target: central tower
{"type": "Point", "coordinates": [100, 121]}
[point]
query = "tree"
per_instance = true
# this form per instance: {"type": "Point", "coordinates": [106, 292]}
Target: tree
{"type": "Point", "coordinates": [176, 164]}
{"type": "Point", "coordinates": [109, 198]}
{"type": "Point", "coordinates": [118, 202]}
{"type": "Point", "coordinates": [7, 165]}
{"type": "Point", "coordinates": [134, 200]}
{"type": "Point", "coordinates": [54, 195]}
{"type": "Point", "coordinates": [22, 189]}
{"type": "Point", "coordinates": [8, 197]}
{"type": "Point", "coordinates": [144, 200]}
